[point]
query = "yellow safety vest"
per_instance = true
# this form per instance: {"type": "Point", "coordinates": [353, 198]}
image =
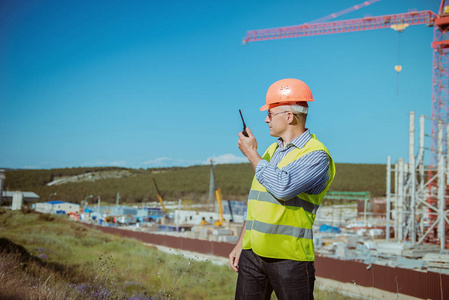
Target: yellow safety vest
{"type": "Point", "coordinates": [283, 229]}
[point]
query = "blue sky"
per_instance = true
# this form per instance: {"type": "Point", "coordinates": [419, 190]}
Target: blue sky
{"type": "Point", "coordinates": [145, 84]}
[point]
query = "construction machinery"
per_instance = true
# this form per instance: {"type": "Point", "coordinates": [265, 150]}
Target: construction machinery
{"type": "Point", "coordinates": [217, 192]}
{"type": "Point", "coordinates": [159, 197]}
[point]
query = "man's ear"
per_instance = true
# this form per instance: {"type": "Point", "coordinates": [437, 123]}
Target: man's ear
{"type": "Point", "coordinates": [291, 118]}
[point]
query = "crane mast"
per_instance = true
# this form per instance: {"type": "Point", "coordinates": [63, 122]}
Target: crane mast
{"type": "Point", "coordinates": [440, 82]}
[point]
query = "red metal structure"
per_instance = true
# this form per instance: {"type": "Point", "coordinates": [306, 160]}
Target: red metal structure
{"type": "Point", "coordinates": [440, 87]}
{"type": "Point", "coordinates": [440, 45]}
{"type": "Point", "coordinates": [369, 23]}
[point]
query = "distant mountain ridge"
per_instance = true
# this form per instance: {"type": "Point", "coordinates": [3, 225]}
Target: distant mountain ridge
{"type": "Point", "coordinates": [187, 183]}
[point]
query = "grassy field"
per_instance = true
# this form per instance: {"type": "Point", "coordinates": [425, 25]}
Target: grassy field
{"type": "Point", "coordinates": [67, 260]}
{"type": "Point", "coordinates": [49, 257]}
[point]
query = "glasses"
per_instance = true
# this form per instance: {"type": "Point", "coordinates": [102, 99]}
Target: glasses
{"type": "Point", "coordinates": [270, 115]}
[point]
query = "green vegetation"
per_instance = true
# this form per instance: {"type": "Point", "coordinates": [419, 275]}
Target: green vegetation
{"type": "Point", "coordinates": [361, 178]}
{"type": "Point", "coordinates": [61, 259]}
{"type": "Point", "coordinates": [189, 183]}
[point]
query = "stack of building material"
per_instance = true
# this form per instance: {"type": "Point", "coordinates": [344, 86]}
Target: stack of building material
{"type": "Point", "coordinates": [222, 231]}
{"type": "Point", "coordinates": [202, 232]}
{"type": "Point", "coordinates": [223, 235]}
{"type": "Point", "coordinates": [376, 233]}
{"type": "Point", "coordinates": [406, 250]}
{"type": "Point", "coordinates": [349, 240]}
{"type": "Point", "coordinates": [410, 263]}
{"type": "Point", "coordinates": [436, 262]}
{"type": "Point", "coordinates": [419, 251]}
{"type": "Point", "coordinates": [341, 250]}
{"type": "Point", "coordinates": [214, 233]}
{"type": "Point", "coordinates": [390, 248]}
{"type": "Point", "coordinates": [227, 239]}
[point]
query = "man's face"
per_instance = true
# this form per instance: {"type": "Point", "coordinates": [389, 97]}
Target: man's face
{"type": "Point", "coordinates": [277, 119]}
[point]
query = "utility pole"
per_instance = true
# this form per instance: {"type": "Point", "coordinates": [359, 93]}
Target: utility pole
{"type": "Point", "coordinates": [99, 207]}
{"type": "Point", "coordinates": [413, 177]}
{"type": "Point", "coordinates": [387, 229]}
{"type": "Point", "coordinates": [2, 180]}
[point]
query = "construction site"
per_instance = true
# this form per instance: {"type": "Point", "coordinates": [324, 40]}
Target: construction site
{"type": "Point", "coordinates": [409, 228]}
{"type": "Point", "coordinates": [402, 238]}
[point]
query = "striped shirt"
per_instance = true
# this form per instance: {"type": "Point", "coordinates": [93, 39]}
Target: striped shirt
{"type": "Point", "coordinates": [306, 174]}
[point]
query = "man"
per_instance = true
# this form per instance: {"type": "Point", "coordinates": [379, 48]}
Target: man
{"type": "Point", "coordinates": [275, 249]}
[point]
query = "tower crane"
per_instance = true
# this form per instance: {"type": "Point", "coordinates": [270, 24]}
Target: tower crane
{"type": "Point", "coordinates": [440, 78]}
{"type": "Point", "coordinates": [440, 45]}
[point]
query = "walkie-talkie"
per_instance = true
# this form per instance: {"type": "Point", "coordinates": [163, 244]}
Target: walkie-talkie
{"type": "Point", "coordinates": [244, 125]}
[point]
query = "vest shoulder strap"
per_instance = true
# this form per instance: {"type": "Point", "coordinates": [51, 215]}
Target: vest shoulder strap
{"type": "Point", "coordinates": [312, 145]}
{"type": "Point", "coordinates": [270, 151]}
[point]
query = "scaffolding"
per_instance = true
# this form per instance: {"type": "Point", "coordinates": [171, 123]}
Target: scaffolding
{"type": "Point", "coordinates": [419, 198]}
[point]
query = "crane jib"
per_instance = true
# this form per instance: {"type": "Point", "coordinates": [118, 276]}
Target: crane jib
{"type": "Point", "coordinates": [425, 17]}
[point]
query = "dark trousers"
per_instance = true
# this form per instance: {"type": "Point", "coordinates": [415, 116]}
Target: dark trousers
{"type": "Point", "coordinates": [259, 276]}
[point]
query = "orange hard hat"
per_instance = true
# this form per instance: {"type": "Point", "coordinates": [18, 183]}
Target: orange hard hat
{"type": "Point", "coordinates": [288, 91]}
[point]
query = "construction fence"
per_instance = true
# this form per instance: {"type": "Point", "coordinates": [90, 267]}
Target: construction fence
{"type": "Point", "coordinates": [415, 283]}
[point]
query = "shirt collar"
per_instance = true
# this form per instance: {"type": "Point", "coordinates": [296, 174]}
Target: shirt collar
{"type": "Point", "coordinates": [299, 142]}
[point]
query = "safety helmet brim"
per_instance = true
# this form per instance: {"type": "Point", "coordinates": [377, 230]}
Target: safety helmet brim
{"type": "Point", "coordinates": [272, 105]}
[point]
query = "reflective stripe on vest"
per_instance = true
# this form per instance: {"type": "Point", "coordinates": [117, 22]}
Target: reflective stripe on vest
{"type": "Point", "coordinates": [295, 232]}
{"type": "Point", "coordinates": [295, 201]}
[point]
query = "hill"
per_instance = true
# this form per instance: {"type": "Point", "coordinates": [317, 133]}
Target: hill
{"type": "Point", "coordinates": [187, 183]}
